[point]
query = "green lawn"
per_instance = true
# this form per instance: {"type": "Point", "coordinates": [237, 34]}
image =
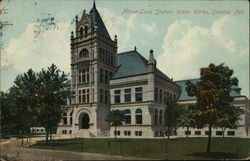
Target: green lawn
{"type": "Point", "coordinates": [181, 148]}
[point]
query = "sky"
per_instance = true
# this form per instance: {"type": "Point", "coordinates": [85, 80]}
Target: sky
{"type": "Point", "coordinates": [185, 35]}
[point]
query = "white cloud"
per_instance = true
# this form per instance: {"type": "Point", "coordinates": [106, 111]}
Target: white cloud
{"type": "Point", "coordinates": [118, 25]}
{"type": "Point", "coordinates": [37, 48]}
{"type": "Point", "coordinates": [152, 27]}
{"type": "Point", "coordinates": [187, 48]}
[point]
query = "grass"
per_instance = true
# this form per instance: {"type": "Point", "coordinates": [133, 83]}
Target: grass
{"type": "Point", "coordinates": [180, 148]}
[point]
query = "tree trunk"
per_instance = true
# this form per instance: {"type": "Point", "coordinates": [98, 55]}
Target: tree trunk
{"type": "Point", "coordinates": [187, 131]}
{"type": "Point", "coordinates": [223, 132]}
{"type": "Point", "coordinates": [50, 136]}
{"type": "Point", "coordinates": [209, 139]}
{"type": "Point", "coordinates": [168, 132]}
{"type": "Point", "coordinates": [22, 141]}
{"type": "Point", "coordinates": [47, 136]}
{"type": "Point", "coordinates": [22, 138]}
{"type": "Point", "coordinates": [115, 132]}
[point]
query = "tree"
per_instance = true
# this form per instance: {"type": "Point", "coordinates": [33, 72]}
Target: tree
{"type": "Point", "coordinates": [172, 114]}
{"type": "Point", "coordinates": [116, 118]}
{"type": "Point", "coordinates": [7, 115]}
{"type": "Point", "coordinates": [52, 98]}
{"type": "Point", "coordinates": [213, 96]}
{"type": "Point", "coordinates": [232, 118]}
{"type": "Point", "coordinates": [23, 95]}
{"type": "Point", "coordinates": [185, 119]}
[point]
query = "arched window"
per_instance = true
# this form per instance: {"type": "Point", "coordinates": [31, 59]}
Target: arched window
{"type": "Point", "coordinates": [156, 116]}
{"type": "Point", "coordinates": [160, 117]}
{"type": "Point", "coordinates": [127, 114]}
{"type": "Point", "coordinates": [138, 116]}
{"type": "Point", "coordinates": [84, 53]}
{"type": "Point", "coordinates": [81, 32]}
{"type": "Point", "coordinates": [86, 30]}
{"type": "Point", "coordinates": [65, 122]}
{"type": "Point", "coordinates": [70, 118]}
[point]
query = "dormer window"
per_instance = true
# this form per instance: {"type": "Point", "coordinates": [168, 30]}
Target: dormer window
{"type": "Point", "coordinates": [83, 53]}
{"type": "Point", "coordinates": [86, 30]}
{"type": "Point", "coordinates": [81, 32]}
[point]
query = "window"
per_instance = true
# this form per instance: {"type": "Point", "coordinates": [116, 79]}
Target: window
{"type": "Point", "coordinates": [160, 96]}
{"type": "Point", "coordinates": [101, 75]}
{"type": "Point", "coordinates": [106, 96]}
{"type": "Point", "coordinates": [156, 116]}
{"type": "Point", "coordinates": [138, 94]}
{"type": "Point", "coordinates": [162, 133]}
{"type": "Point", "coordinates": [101, 95]}
{"type": "Point", "coordinates": [80, 96]}
{"type": "Point", "coordinates": [231, 133]}
{"type": "Point", "coordinates": [106, 76]}
{"type": "Point", "coordinates": [219, 132]}
{"type": "Point", "coordinates": [83, 76]}
{"type": "Point", "coordinates": [83, 96]}
{"type": "Point", "coordinates": [106, 57]}
{"type": "Point", "coordinates": [165, 96]}
{"type": "Point", "coordinates": [138, 133]}
{"type": "Point", "coordinates": [70, 119]}
{"type": "Point", "coordinates": [197, 132]}
{"type": "Point", "coordinates": [127, 95]}
{"type": "Point", "coordinates": [64, 131]}
{"type": "Point", "coordinates": [127, 133]}
{"type": "Point", "coordinates": [81, 31]}
{"type": "Point", "coordinates": [93, 74]}
{"type": "Point", "coordinates": [87, 94]}
{"type": "Point", "coordinates": [70, 131]}
{"type": "Point", "coordinates": [84, 53]}
{"type": "Point", "coordinates": [86, 30]}
{"type": "Point", "coordinates": [117, 133]}
{"type": "Point", "coordinates": [206, 132]}
{"type": "Point", "coordinates": [110, 75]}
{"type": "Point", "coordinates": [138, 116]}
{"type": "Point", "coordinates": [127, 114]}
{"type": "Point", "coordinates": [103, 55]}
{"type": "Point", "coordinates": [117, 96]}
{"type": "Point", "coordinates": [109, 57]}
{"type": "Point", "coordinates": [65, 119]}
{"type": "Point", "coordinates": [100, 53]}
{"type": "Point", "coordinates": [160, 117]}
{"type": "Point", "coordinates": [187, 132]}
{"type": "Point", "coordinates": [156, 94]}
{"type": "Point", "coordinates": [87, 74]}
{"type": "Point", "coordinates": [111, 61]}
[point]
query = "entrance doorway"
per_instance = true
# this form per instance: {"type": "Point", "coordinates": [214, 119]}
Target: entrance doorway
{"type": "Point", "coordinates": [84, 121]}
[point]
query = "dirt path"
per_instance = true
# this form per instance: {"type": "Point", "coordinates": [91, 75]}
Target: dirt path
{"type": "Point", "coordinates": [13, 151]}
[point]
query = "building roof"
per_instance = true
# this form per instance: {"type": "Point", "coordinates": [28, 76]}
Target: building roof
{"type": "Point", "coordinates": [183, 96]}
{"type": "Point", "coordinates": [97, 20]}
{"type": "Point", "coordinates": [132, 63]}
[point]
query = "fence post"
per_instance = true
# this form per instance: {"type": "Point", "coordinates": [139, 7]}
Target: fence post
{"type": "Point", "coordinates": [81, 144]}
{"type": "Point", "coordinates": [109, 146]}
{"type": "Point", "coordinates": [166, 150]}
{"type": "Point", "coordinates": [120, 148]}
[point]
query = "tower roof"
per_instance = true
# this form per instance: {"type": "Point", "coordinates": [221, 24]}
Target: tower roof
{"type": "Point", "coordinates": [97, 21]}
